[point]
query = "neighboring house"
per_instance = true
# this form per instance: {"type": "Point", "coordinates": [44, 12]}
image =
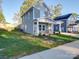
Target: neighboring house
{"type": "Point", "coordinates": [64, 23]}
{"type": "Point", "coordinates": [76, 27]}
{"type": "Point", "coordinates": [36, 20]}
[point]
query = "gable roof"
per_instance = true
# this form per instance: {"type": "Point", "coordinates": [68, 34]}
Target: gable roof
{"type": "Point", "coordinates": [63, 17]}
{"type": "Point", "coordinates": [37, 2]}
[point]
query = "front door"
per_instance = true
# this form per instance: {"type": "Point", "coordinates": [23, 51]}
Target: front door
{"type": "Point", "coordinates": [42, 27]}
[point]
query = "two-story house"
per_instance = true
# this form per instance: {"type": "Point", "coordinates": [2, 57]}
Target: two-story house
{"type": "Point", "coordinates": [36, 19]}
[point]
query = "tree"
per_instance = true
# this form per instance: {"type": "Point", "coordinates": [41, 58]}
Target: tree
{"type": "Point", "coordinates": [17, 19]}
{"type": "Point", "coordinates": [2, 18]}
{"type": "Point", "coordinates": [56, 10]}
{"type": "Point", "coordinates": [75, 14]}
{"type": "Point", "coordinates": [26, 5]}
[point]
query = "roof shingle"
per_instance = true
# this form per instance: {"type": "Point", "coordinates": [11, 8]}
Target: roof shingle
{"type": "Point", "coordinates": [63, 17]}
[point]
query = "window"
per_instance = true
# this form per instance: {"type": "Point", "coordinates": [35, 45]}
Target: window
{"type": "Point", "coordinates": [35, 23]}
{"type": "Point", "coordinates": [43, 27]}
{"type": "Point", "coordinates": [39, 27]}
{"type": "Point", "coordinates": [42, 14]}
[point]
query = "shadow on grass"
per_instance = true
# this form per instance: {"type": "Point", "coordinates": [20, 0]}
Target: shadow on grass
{"type": "Point", "coordinates": [21, 48]}
{"type": "Point", "coordinates": [15, 46]}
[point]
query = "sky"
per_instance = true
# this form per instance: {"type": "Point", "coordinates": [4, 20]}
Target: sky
{"type": "Point", "coordinates": [12, 6]}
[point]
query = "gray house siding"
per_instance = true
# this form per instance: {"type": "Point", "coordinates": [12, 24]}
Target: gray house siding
{"type": "Point", "coordinates": [27, 23]}
{"type": "Point", "coordinates": [27, 20]}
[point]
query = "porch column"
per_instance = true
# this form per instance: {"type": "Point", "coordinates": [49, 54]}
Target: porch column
{"type": "Point", "coordinates": [60, 28]}
{"type": "Point", "coordinates": [37, 28]}
{"type": "Point", "coordinates": [52, 27]}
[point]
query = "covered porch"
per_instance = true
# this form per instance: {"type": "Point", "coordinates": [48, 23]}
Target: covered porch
{"type": "Point", "coordinates": [42, 26]}
{"type": "Point", "coordinates": [58, 26]}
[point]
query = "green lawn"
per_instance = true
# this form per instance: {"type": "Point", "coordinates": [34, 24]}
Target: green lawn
{"type": "Point", "coordinates": [63, 38]}
{"type": "Point", "coordinates": [18, 44]}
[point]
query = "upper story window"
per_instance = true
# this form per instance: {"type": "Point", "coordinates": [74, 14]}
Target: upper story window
{"type": "Point", "coordinates": [35, 23]}
{"type": "Point", "coordinates": [36, 13]}
{"type": "Point", "coordinates": [42, 13]}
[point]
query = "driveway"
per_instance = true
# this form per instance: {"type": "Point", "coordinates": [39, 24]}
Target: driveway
{"type": "Point", "coordinates": [66, 51]}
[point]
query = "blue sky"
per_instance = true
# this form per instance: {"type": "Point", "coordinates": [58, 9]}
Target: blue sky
{"type": "Point", "coordinates": [12, 6]}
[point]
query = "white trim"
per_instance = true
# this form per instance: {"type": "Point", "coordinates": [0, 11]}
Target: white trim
{"type": "Point", "coordinates": [52, 28]}
{"type": "Point", "coordinates": [58, 22]}
{"type": "Point", "coordinates": [33, 13]}
{"type": "Point", "coordinates": [25, 27]}
{"type": "Point", "coordinates": [36, 29]}
{"type": "Point", "coordinates": [60, 27]}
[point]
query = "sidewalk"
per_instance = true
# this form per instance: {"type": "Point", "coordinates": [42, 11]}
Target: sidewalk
{"type": "Point", "coordinates": [67, 51]}
{"type": "Point", "coordinates": [71, 34]}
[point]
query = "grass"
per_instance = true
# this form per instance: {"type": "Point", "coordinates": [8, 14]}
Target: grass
{"type": "Point", "coordinates": [63, 38]}
{"type": "Point", "coordinates": [19, 44]}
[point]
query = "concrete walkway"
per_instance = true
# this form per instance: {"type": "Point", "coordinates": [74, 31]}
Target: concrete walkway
{"type": "Point", "coordinates": [71, 34]}
{"type": "Point", "coordinates": [67, 51]}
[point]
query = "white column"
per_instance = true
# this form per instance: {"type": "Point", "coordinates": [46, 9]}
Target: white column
{"type": "Point", "coordinates": [52, 28]}
{"type": "Point", "coordinates": [60, 27]}
{"type": "Point", "coordinates": [37, 28]}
